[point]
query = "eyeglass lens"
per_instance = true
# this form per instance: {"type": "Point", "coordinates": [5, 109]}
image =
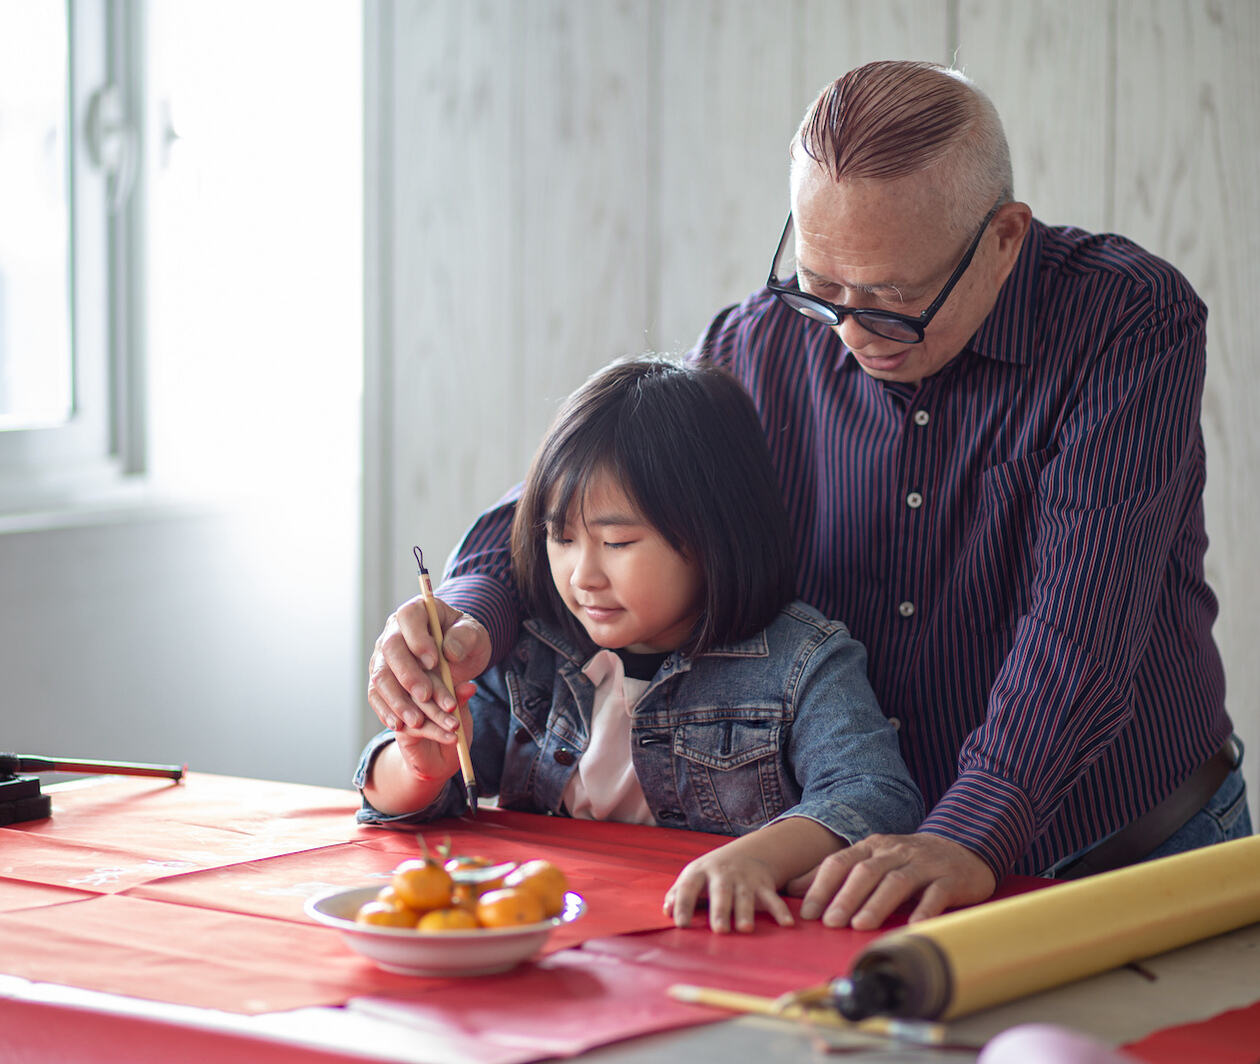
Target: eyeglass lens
{"type": "Point", "coordinates": [885, 325]}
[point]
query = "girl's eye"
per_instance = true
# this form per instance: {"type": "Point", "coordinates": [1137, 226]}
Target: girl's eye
{"type": "Point", "coordinates": [618, 546]}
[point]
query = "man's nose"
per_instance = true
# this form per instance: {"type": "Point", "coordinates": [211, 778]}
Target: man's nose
{"type": "Point", "coordinates": [854, 336]}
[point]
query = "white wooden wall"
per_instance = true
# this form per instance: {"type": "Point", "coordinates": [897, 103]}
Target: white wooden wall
{"type": "Point", "coordinates": [552, 183]}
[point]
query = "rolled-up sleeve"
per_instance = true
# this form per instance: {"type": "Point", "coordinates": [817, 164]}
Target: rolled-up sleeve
{"type": "Point", "coordinates": [478, 577]}
{"type": "Point", "coordinates": [844, 752]}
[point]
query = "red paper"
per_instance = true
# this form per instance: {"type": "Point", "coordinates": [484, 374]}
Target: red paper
{"type": "Point", "coordinates": [16, 895]}
{"type": "Point", "coordinates": [279, 886]}
{"type": "Point", "coordinates": [618, 987]}
{"type": "Point", "coordinates": [231, 934]}
{"type": "Point", "coordinates": [193, 894]}
{"type": "Point", "coordinates": [115, 833]}
{"type": "Point", "coordinates": [1230, 1038]}
{"type": "Point", "coordinates": [190, 956]}
{"type": "Point", "coordinates": [36, 1031]}
{"type": "Point", "coordinates": [564, 1005]}
{"type": "Point", "coordinates": [769, 960]}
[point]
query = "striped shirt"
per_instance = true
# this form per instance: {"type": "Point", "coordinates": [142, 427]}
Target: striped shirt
{"type": "Point", "coordinates": [1018, 540]}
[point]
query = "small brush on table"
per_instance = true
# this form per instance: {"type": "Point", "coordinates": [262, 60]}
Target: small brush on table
{"type": "Point", "coordinates": [20, 797]}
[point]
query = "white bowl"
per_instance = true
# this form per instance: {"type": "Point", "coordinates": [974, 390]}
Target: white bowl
{"type": "Point", "coordinates": [479, 951]}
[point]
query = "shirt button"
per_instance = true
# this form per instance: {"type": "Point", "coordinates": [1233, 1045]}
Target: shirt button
{"type": "Point", "coordinates": [564, 757]}
{"type": "Point", "coordinates": [895, 722]}
{"type": "Point", "coordinates": [922, 417]}
{"type": "Point", "coordinates": [914, 500]}
{"type": "Point", "coordinates": [520, 736]}
{"type": "Point", "coordinates": [906, 609]}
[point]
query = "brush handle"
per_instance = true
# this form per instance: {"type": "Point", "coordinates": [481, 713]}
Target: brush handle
{"type": "Point", "coordinates": [11, 764]}
{"type": "Point", "coordinates": [461, 737]}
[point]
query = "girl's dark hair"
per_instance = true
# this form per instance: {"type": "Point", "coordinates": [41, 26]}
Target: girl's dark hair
{"type": "Point", "coordinates": [685, 444]}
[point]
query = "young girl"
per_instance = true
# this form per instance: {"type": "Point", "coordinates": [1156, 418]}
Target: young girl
{"type": "Point", "coordinates": [666, 675]}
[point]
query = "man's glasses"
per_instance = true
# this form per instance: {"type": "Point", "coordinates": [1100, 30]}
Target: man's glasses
{"type": "Point", "coordinates": [784, 283]}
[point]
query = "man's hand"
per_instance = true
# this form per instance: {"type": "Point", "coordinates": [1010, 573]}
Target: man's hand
{"type": "Point", "coordinates": [404, 684]}
{"type": "Point", "coordinates": [862, 885]}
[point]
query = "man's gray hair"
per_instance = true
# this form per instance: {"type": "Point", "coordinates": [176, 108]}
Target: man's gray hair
{"type": "Point", "coordinates": [893, 118]}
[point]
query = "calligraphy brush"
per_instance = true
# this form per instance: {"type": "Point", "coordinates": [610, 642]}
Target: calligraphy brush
{"type": "Point", "coordinates": [11, 764]}
{"type": "Point", "coordinates": [808, 1008]}
{"type": "Point", "coordinates": [435, 630]}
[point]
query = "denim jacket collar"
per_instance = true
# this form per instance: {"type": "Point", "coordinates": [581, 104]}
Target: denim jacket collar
{"type": "Point", "coordinates": [755, 646]}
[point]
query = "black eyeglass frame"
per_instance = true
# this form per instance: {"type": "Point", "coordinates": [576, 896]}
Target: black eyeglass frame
{"type": "Point", "coordinates": [832, 314]}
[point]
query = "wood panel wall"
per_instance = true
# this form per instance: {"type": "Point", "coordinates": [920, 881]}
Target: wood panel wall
{"type": "Point", "coordinates": [553, 183]}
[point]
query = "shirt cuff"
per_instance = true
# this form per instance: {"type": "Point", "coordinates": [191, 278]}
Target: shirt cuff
{"type": "Point", "coordinates": [486, 599]}
{"type": "Point", "coordinates": [370, 816]}
{"type": "Point", "coordinates": [851, 824]}
{"type": "Point", "coordinates": [988, 815]}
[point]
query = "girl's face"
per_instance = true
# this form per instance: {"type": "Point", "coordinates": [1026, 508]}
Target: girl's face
{"type": "Point", "coordinates": [620, 578]}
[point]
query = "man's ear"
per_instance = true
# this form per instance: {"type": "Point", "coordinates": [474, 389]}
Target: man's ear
{"type": "Point", "coordinates": [1011, 224]}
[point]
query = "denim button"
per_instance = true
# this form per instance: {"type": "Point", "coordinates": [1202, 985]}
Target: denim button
{"type": "Point", "coordinates": [564, 757]}
{"type": "Point", "coordinates": [520, 736]}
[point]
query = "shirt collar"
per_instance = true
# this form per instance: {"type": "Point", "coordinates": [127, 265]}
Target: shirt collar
{"type": "Point", "coordinates": [1006, 335]}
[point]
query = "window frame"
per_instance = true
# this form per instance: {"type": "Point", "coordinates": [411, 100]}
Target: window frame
{"type": "Point", "coordinates": [101, 445]}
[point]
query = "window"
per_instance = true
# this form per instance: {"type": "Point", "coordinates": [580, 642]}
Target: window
{"type": "Point", "coordinates": [180, 194]}
{"type": "Point", "coordinates": [35, 387]}
{"type": "Point", "coordinates": [68, 154]}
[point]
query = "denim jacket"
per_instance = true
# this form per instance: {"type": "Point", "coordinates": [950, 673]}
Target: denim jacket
{"type": "Point", "coordinates": [783, 723]}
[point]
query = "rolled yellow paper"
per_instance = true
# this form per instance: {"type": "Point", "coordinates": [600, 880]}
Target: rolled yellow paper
{"type": "Point", "coordinates": [959, 963]}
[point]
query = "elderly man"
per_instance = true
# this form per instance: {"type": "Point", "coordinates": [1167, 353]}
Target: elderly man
{"type": "Point", "coordinates": [987, 435]}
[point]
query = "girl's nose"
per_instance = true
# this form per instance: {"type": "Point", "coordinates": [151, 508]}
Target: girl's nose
{"type": "Point", "coordinates": [587, 572]}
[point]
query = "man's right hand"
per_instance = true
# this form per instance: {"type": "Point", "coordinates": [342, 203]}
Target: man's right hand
{"type": "Point", "coordinates": [405, 686]}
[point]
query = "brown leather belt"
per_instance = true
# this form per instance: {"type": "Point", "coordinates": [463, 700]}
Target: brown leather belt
{"type": "Point", "coordinates": [1134, 841]}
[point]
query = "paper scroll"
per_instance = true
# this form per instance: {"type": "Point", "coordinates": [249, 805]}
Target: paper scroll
{"type": "Point", "coordinates": [968, 960]}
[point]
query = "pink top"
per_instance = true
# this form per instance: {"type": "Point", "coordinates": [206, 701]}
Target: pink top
{"type": "Point", "coordinates": [605, 786]}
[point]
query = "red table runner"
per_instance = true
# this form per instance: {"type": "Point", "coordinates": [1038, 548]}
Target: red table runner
{"type": "Point", "coordinates": [193, 894]}
{"type": "Point", "coordinates": [1229, 1038]}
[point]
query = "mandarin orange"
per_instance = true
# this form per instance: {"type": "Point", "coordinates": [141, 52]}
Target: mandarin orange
{"type": "Point", "coordinates": [378, 914]}
{"type": "Point", "coordinates": [388, 895]}
{"type": "Point", "coordinates": [507, 907]}
{"type": "Point", "coordinates": [453, 919]}
{"type": "Point", "coordinates": [543, 879]}
{"type": "Point", "coordinates": [423, 884]}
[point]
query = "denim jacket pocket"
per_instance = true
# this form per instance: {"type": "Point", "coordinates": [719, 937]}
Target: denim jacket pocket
{"type": "Point", "coordinates": [544, 739]}
{"type": "Point", "coordinates": [732, 771]}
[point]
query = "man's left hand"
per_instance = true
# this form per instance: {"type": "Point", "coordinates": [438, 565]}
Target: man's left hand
{"type": "Point", "coordinates": [861, 886]}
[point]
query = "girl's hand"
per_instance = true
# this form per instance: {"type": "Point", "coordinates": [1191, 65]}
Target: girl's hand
{"type": "Point", "coordinates": [405, 687]}
{"type": "Point", "coordinates": [737, 884]}
{"type": "Point", "coordinates": [430, 752]}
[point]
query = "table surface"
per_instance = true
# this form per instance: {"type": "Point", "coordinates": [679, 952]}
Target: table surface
{"type": "Point", "coordinates": [1118, 1007]}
